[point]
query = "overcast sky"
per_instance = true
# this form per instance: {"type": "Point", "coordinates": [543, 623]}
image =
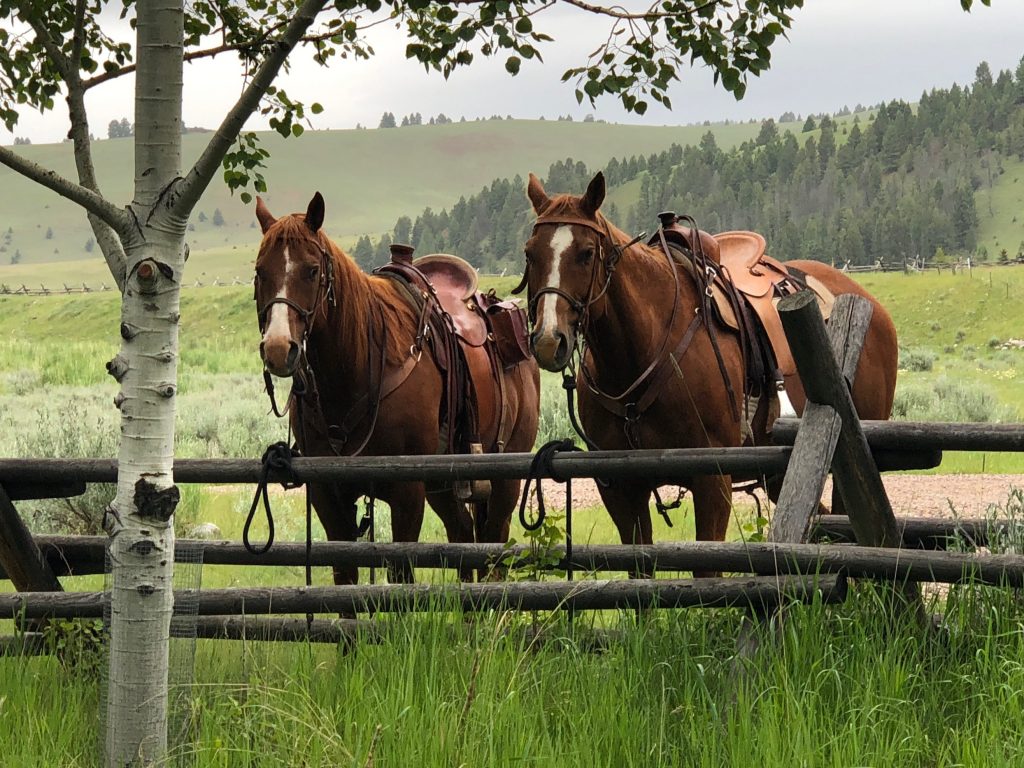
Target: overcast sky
{"type": "Point", "coordinates": [839, 52]}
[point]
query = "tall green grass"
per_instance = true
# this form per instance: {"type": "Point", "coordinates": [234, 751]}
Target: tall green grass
{"type": "Point", "coordinates": [838, 687]}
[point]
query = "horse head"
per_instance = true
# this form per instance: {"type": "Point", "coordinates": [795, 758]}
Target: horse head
{"type": "Point", "coordinates": [570, 258]}
{"type": "Point", "coordinates": [294, 283]}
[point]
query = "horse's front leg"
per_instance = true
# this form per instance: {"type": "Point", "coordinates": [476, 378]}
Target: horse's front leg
{"type": "Point", "coordinates": [629, 506]}
{"type": "Point", "coordinates": [336, 508]}
{"type": "Point", "coordinates": [406, 501]}
{"type": "Point", "coordinates": [712, 505]}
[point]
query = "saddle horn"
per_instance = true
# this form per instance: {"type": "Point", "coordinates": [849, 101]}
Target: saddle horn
{"type": "Point", "coordinates": [522, 283]}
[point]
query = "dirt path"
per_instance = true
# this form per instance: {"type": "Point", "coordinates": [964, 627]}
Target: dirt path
{"type": "Point", "coordinates": [912, 495]}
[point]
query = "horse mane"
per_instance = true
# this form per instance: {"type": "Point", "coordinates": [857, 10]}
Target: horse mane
{"type": "Point", "coordinates": [355, 292]}
{"type": "Point", "coordinates": [570, 206]}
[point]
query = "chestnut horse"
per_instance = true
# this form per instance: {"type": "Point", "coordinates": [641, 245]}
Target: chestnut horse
{"type": "Point", "coordinates": [586, 277]}
{"type": "Point", "coordinates": [315, 303]}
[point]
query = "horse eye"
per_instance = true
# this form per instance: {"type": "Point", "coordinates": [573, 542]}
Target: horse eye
{"type": "Point", "coordinates": [313, 272]}
{"type": "Point", "coordinates": [585, 255]}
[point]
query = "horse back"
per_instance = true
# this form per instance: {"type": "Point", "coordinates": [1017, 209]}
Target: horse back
{"type": "Point", "coordinates": [874, 387]}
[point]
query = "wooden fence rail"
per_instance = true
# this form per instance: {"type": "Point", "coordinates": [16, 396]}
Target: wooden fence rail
{"type": "Point", "coordinates": [82, 555]}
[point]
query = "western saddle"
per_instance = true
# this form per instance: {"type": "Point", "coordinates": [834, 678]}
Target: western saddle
{"type": "Point", "coordinates": [463, 323]}
{"type": "Point", "coordinates": [747, 278]}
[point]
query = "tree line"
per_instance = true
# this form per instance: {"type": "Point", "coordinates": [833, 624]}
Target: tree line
{"type": "Point", "coordinates": [893, 183]}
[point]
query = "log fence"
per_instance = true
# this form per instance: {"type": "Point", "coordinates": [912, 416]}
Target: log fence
{"type": "Point", "coordinates": [789, 567]}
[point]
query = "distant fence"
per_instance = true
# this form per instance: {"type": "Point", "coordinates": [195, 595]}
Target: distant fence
{"type": "Point", "coordinates": [66, 289]}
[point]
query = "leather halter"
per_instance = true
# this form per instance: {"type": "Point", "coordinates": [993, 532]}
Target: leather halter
{"type": "Point", "coordinates": [324, 292]}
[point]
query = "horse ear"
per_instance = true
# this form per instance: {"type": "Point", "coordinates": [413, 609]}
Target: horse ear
{"type": "Point", "coordinates": [315, 213]}
{"type": "Point", "coordinates": [263, 215]}
{"type": "Point", "coordinates": [592, 200]}
{"type": "Point", "coordinates": [538, 197]}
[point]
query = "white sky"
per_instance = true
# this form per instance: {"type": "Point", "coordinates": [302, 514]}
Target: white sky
{"type": "Point", "coordinates": [839, 52]}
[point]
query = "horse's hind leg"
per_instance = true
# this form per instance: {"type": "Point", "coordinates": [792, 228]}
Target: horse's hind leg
{"type": "Point", "coordinates": [458, 523]}
{"type": "Point", "coordinates": [494, 517]}
{"type": "Point", "coordinates": [712, 504]}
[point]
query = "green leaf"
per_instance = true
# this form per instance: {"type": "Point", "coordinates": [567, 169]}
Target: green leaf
{"type": "Point", "coordinates": [297, 130]}
{"type": "Point", "coordinates": [316, 108]}
{"type": "Point", "coordinates": [512, 64]}
{"type": "Point", "coordinates": [245, 197]}
{"type": "Point", "coordinates": [524, 26]}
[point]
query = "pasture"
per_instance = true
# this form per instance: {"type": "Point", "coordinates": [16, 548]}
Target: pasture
{"type": "Point", "coordinates": [841, 686]}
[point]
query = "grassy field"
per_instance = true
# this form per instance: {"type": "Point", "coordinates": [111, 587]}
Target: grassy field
{"type": "Point", "coordinates": [837, 687]}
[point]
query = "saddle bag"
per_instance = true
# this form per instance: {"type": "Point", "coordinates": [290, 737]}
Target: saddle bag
{"type": "Point", "coordinates": [510, 329]}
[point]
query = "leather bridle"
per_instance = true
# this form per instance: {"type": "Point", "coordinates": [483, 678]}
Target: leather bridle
{"type": "Point", "coordinates": [609, 261]}
{"type": "Point", "coordinates": [324, 293]}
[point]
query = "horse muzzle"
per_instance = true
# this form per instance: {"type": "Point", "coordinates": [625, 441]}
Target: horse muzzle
{"type": "Point", "coordinates": [552, 349]}
{"type": "Point", "coordinates": [280, 355]}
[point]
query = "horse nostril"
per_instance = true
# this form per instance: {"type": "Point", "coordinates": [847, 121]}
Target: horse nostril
{"type": "Point", "coordinates": [293, 354]}
{"type": "Point", "coordinates": [563, 346]}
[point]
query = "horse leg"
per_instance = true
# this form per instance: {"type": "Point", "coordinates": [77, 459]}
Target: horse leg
{"type": "Point", "coordinates": [629, 507]}
{"type": "Point", "coordinates": [712, 503]}
{"type": "Point", "coordinates": [493, 518]}
{"type": "Point", "coordinates": [458, 523]}
{"type": "Point", "coordinates": [337, 512]}
{"type": "Point", "coordinates": [406, 500]}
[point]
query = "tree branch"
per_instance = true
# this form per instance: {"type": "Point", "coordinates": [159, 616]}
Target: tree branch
{"type": "Point", "coordinates": [195, 183]}
{"type": "Point", "coordinates": [52, 49]}
{"type": "Point", "coordinates": [205, 53]}
{"type": "Point", "coordinates": [617, 12]}
{"type": "Point", "coordinates": [76, 193]}
{"type": "Point", "coordinates": [78, 41]}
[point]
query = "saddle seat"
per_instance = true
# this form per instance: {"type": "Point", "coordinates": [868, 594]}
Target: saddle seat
{"type": "Point", "coordinates": [455, 282]}
{"type": "Point", "coordinates": [760, 279]}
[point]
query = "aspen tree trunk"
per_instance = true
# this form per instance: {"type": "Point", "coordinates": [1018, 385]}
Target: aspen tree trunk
{"type": "Point", "coordinates": [141, 520]}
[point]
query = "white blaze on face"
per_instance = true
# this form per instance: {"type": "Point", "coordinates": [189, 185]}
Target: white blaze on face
{"type": "Point", "coordinates": [560, 241]}
{"type": "Point", "coordinates": [277, 323]}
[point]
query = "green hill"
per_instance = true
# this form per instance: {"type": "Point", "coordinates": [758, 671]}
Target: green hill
{"type": "Point", "coordinates": [369, 178]}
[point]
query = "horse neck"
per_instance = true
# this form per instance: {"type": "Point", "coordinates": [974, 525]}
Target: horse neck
{"type": "Point", "coordinates": [338, 346]}
{"type": "Point", "coordinates": [631, 330]}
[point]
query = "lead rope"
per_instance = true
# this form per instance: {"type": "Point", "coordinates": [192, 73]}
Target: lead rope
{"type": "Point", "coordinates": [541, 466]}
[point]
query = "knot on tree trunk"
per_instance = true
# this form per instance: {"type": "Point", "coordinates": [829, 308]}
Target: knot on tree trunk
{"type": "Point", "coordinates": [155, 503]}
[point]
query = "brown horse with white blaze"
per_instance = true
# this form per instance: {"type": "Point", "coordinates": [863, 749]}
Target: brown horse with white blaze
{"type": "Point", "coordinates": [356, 335]}
{"type": "Point", "coordinates": [650, 347]}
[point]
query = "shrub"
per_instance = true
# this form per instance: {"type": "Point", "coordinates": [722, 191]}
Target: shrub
{"type": "Point", "coordinates": [946, 399]}
{"type": "Point", "coordinates": [916, 359]}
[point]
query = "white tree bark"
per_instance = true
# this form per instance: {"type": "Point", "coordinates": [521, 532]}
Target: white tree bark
{"type": "Point", "coordinates": [141, 522]}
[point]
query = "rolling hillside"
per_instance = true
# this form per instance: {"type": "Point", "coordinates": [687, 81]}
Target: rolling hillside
{"type": "Point", "coordinates": [369, 178]}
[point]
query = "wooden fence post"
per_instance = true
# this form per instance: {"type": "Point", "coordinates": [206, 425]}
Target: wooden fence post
{"type": "Point", "coordinates": [826, 381]}
{"type": "Point", "coordinates": [24, 564]}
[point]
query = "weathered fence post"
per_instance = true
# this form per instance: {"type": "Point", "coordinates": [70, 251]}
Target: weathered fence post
{"type": "Point", "coordinates": [827, 382]}
{"type": "Point", "coordinates": [21, 559]}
